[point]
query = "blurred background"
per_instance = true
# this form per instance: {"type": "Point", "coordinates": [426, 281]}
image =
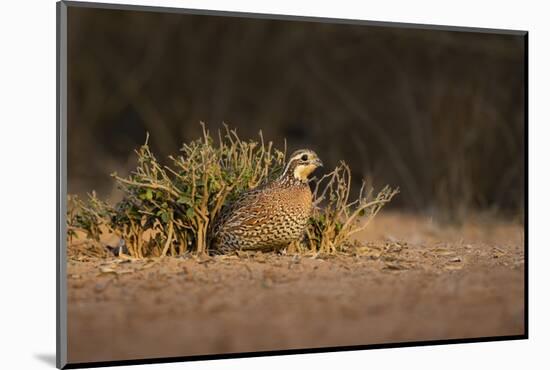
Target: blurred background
{"type": "Point", "coordinates": [438, 114]}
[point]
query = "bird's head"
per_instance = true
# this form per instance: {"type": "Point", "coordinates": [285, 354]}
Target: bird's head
{"type": "Point", "coordinates": [302, 163]}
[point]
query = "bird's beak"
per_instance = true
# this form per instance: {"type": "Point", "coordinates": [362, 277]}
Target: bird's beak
{"type": "Point", "coordinates": [318, 162]}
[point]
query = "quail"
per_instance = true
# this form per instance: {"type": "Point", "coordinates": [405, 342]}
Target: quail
{"type": "Point", "coordinates": [270, 216]}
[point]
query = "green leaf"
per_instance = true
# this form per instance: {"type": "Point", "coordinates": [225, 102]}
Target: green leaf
{"type": "Point", "coordinates": [190, 213]}
{"type": "Point", "coordinates": [184, 199]}
{"type": "Point", "coordinates": [148, 195]}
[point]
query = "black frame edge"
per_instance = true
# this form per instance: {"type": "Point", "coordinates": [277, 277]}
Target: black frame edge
{"type": "Point", "coordinates": [526, 185]}
{"type": "Point", "coordinates": [61, 175]}
{"type": "Point", "coordinates": [286, 17]}
{"type": "Point", "coordinates": [289, 352]}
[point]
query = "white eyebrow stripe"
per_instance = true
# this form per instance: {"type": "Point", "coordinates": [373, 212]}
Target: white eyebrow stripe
{"type": "Point", "coordinates": [297, 156]}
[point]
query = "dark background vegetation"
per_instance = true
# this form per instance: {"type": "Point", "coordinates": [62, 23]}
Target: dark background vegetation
{"type": "Point", "coordinates": [439, 114]}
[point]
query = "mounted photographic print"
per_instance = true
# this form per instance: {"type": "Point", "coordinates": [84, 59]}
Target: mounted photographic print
{"type": "Point", "coordinates": [235, 184]}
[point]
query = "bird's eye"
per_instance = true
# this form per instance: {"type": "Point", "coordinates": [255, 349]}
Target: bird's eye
{"type": "Point", "coordinates": [304, 157]}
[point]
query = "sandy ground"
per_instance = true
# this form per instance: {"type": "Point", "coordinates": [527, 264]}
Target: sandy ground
{"type": "Point", "coordinates": [412, 280]}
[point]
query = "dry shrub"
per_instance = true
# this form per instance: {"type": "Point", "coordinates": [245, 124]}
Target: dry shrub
{"type": "Point", "coordinates": [333, 224]}
{"type": "Point", "coordinates": [168, 209]}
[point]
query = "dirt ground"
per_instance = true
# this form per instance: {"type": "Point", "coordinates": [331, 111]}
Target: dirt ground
{"type": "Point", "coordinates": [412, 280]}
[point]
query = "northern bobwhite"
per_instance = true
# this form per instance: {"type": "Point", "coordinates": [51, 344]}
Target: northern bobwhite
{"type": "Point", "coordinates": [271, 216]}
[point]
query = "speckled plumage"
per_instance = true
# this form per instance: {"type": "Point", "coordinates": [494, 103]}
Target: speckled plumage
{"type": "Point", "coordinates": [272, 216]}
